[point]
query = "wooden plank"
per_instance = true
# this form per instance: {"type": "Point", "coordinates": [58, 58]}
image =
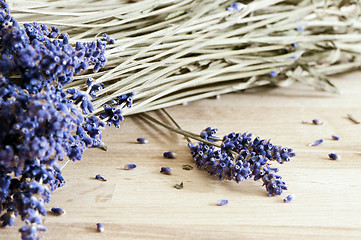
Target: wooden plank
{"type": "Point", "coordinates": [142, 203]}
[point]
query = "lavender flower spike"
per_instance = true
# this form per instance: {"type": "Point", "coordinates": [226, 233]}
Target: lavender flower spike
{"type": "Point", "coordinates": [241, 156]}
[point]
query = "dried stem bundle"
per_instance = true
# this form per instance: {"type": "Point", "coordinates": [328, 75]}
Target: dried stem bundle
{"type": "Point", "coordinates": [172, 52]}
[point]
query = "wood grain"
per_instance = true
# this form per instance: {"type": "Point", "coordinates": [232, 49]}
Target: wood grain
{"type": "Point", "coordinates": [142, 203]}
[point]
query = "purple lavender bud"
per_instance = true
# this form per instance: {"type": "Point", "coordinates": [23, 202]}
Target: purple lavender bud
{"type": "Point", "coordinates": [317, 142]}
{"type": "Point", "coordinates": [58, 211]}
{"type": "Point", "coordinates": [335, 137]}
{"type": "Point", "coordinates": [237, 6]}
{"type": "Point", "coordinates": [142, 140]}
{"type": "Point", "coordinates": [100, 227]}
{"type": "Point", "coordinates": [294, 45]}
{"type": "Point", "coordinates": [274, 73]}
{"type": "Point", "coordinates": [166, 170]}
{"type": "Point", "coordinates": [334, 156]}
{"type": "Point", "coordinates": [100, 177]}
{"type": "Point", "coordinates": [317, 122]}
{"type": "Point", "coordinates": [170, 155]}
{"type": "Point", "coordinates": [289, 198]}
{"type": "Point", "coordinates": [130, 166]}
{"type": "Point", "coordinates": [222, 202]}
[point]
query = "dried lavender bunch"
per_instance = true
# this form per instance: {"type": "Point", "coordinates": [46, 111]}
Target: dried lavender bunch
{"type": "Point", "coordinates": [40, 122]}
{"type": "Point", "coordinates": [173, 52]}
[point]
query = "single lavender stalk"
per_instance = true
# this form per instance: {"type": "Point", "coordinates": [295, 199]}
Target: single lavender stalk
{"type": "Point", "coordinates": [240, 156]}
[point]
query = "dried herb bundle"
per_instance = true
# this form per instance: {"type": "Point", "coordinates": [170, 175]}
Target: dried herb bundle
{"type": "Point", "coordinates": [172, 52]}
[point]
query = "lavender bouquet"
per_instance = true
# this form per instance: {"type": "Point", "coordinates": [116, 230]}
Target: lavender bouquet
{"type": "Point", "coordinates": [57, 93]}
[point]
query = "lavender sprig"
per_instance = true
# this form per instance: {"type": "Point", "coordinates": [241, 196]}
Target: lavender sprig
{"type": "Point", "coordinates": [239, 157]}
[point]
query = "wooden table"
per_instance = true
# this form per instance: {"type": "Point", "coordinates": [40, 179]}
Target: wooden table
{"type": "Point", "coordinates": [143, 204]}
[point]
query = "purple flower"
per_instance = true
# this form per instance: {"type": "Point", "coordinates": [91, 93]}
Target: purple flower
{"type": "Point", "coordinates": [58, 211]}
{"type": "Point", "coordinates": [289, 198]}
{"type": "Point", "coordinates": [130, 166]}
{"type": "Point", "coordinates": [316, 143]}
{"type": "Point", "coordinates": [317, 122]}
{"type": "Point", "coordinates": [170, 155]}
{"type": "Point", "coordinates": [334, 156]}
{"type": "Point", "coordinates": [166, 170]}
{"type": "Point", "coordinates": [222, 202]}
{"type": "Point", "coordinates": [335, 137]}
{"type": "Point", "coordinates": [236, 6]}
{"type": "Point", "coordinates": [112, 115]}
{"type": "Point", "coordinates": [100, 227]}
{"type": "Point", "coordinates": [100, 177]}
{"type": "Point", "coordinates": [142, 140]}
{"type": "Point", "coordinates": [240, 157]}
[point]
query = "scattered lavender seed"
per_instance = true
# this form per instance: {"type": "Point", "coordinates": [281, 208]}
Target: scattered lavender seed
{"type": "Point", "coordinates": [222, 202]}
{"type": "Point", "coordinates": [166, 170]}
{"type": "Point", "coordinates": [142, 140]}
{"type": "Point", "coordinates": [316, 143]}
{"type": "Point", "coordinates": [187, 167]}
{"type": "Point", "coordinates": [58, 211]}
{"type": "Point", "coordinates": [100, 227]}
{"type": "Point", "coordinates": [334, 156]}
{"type": "Point", "coordinates": [170, 155]}
{"type": "Point", "coordinates": [353, 119]}
{"type": "Point", "coordinates": [335, 137]}
{"type": "Point", "coordinates": [130, 166]}
{"type": "Point", "coordinates": [317, 122]}
{"type": "Point", "coordinates": [179, 186]}
{"type": "Point", "coordinates": [100, 177]}
{"type": "Point", "coordinates": [289, 198]}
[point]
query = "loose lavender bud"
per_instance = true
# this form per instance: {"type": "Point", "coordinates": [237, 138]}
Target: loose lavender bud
{"type": "Point", "coordinates": [130, 166]}
{"type": "Point", "coordinates": [274, 73]}
{"type": "Point", "coordinates": [236, 6]}
{"type": "Point", "coordinates": [334, 156]}
{"type": "Point", "coordinates": [100, 227]}
{"type": "Point", "coordinates": [335, 137]}
{"type": "Point", "coordinates": [100, 177]}
{"type": "Point", "coordinates": [289, 198]}
{"type": "Point", "coordinates": [317, 142]}
{"type": "Point", "coordinates": [170, 155]}
{"type": "Point", "coordinates": [58, 211]}
{"type": "Point", "coordinates": [142, 140]}
{"type": "Point", "coordinates": [166, 170]}
{"type": "Point", "coordinates": [222, 202]}
{"type": "Point", "coordinates": [317, 121]}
